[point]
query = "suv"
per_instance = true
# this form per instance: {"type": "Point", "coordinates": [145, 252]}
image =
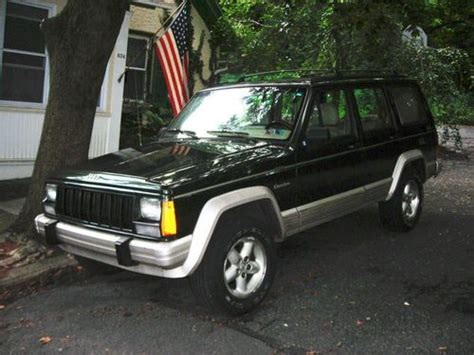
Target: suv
{"type": "Point", "coordinates": [244, 167]}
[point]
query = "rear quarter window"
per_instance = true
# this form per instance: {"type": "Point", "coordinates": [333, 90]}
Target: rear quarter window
{"type": "Point", "coordinates": [409, 105]}
{"type": "Point", "coordinates": [373, 113]}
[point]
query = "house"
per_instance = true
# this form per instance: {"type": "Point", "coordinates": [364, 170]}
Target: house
{"type": "Point", "coordinates": [24, 74]}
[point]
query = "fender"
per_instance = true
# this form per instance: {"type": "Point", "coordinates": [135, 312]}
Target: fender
{"type": "Point", "coordinates": [403, 160]}
{"type": "Point", "coordinates": [209, 217]}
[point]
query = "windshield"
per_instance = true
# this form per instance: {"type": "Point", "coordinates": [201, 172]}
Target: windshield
{"type": "Point", "coordinates": [246, 112]}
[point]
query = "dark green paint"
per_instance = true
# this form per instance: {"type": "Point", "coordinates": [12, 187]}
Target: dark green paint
{"type": "Point", "coordinates": [194, 170]}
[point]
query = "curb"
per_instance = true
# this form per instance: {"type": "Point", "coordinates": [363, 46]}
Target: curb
{"type": "Point", "coordinates": [33, 272]}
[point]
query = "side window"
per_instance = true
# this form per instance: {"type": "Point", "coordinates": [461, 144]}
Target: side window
{"type": "Point", "coordinates": [277, 105]}
{"type": "Point", "coordinates": [329, 120]}
{"type": "Point", "coordinates": [291, 104]}
{"type": "Point", "coordinates": [409, 105]}
{"type": "Point", "coordinates": [373, 113]}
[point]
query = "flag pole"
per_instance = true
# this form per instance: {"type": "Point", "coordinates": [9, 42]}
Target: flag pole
{"type": "Point", "coordinates": [164, 25]}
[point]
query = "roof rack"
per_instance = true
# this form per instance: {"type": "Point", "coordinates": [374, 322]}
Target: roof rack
{"type": "Point", "coordinates": [265, 73]}
{"type": "Point", "coordinates": [325, 72]}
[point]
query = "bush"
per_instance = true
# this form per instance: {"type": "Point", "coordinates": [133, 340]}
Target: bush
{"type": "Point", "coordinates": [141, 123]}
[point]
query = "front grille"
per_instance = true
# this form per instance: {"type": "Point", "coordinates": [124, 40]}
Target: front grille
{"type": "Point", "coordinates": [105, 209]}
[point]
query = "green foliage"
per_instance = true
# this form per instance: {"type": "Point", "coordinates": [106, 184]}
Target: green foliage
{"type": "Point", "coordinates": [142, 122]}
{"type": "Point", "coordinates": [439, 71]}
{"type": "Point", "coordinates": [262, 35]}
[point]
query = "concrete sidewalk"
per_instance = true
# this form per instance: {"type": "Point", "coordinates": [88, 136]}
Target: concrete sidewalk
{"type": "Point", "coordinates": [38, 271]}
{"type": "Point", "coordinates": [467, 136]}
{"type": "Point", "coordinates": [9, 210]}
{"type": "Point", "coordinates": [13, 206]}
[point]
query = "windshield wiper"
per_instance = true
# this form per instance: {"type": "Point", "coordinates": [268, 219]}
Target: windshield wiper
{"type": "Point", "coordinates": [191, 134]}
{"type": "Point", "coordinates": [226, 133]}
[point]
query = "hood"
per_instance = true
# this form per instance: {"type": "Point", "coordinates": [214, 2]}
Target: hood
{"type": "Point", "coordinates": [173, 164]}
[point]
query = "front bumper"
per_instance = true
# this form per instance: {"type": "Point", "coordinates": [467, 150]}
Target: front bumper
{"type": "Point", "coordinates": [145, 257]}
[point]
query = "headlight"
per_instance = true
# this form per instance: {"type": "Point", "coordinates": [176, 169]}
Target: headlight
{"type": "Point", "coordinates": [150, 208]}
{"type": "Point", "coordinates": [51, 192]}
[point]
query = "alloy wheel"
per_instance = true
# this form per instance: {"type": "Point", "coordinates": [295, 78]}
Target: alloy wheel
{"type": "Point", "coordinates": [410, 200]}
{"type": "Point", "coordinates": [245, 267]}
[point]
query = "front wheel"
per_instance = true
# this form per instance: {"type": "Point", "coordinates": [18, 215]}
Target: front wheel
{"type": "Point", "coordinates": [402, 212]}
{"type": "Point", "coordinates": [237, 269]}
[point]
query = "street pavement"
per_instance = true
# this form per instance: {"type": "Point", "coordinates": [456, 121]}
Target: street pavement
{"type": "Point", "coordinates": [348, 286]}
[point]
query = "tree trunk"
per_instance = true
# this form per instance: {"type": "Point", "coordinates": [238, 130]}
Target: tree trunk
{"type": "Point", "coordinates": [79, 41]}
{"type": "Point", "coordinates": [339, 49]}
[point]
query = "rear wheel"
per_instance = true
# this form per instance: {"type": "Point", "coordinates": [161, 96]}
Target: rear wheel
{"type": "Point", "coordinates": [402, 212]}
{"type": "Point", "coordinates": [237, 269]}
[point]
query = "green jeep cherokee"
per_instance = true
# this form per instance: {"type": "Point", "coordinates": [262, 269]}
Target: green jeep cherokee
{"type": "Point", "coordinates": [244, 167]}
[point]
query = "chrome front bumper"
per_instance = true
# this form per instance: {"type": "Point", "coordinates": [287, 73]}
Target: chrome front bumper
{"type": "Point", "coordinates": [148, 257]}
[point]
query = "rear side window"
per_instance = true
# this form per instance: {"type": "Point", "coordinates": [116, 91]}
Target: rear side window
{"type": "Point", "coordinates": [409, 105]}
{"type": "Point", "coordinates": [373, 113]}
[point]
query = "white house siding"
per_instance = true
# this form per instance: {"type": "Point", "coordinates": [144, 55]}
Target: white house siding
{"type": "Point", "coordinates": [21, 123]}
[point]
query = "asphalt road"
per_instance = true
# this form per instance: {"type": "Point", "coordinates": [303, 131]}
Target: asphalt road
{"type": "Point", "coordinates": [345, 287]}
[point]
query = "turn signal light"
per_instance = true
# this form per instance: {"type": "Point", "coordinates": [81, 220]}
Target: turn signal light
{"type": "Point", "coordinates": [168, 219]}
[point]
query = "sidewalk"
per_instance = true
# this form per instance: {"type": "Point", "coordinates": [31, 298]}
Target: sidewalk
{"type": "Point", "coordinates": [467, 135]}
{"type": "Point", "coordinates": [9, 210]}
{"type": "Point", "coordinates": [34, 273]}
{"type": "Point", "coordinates": [12, 206]}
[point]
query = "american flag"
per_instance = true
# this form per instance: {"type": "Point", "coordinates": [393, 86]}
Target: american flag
{"type": "Point", "coordinates": [172, 51]}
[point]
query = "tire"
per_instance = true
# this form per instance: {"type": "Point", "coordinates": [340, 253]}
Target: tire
{"type": "Point", "coordinates": [245, 252]}
{"type": "Point", "coordinates": [402, 212]}
{"type": "Point", "coordinates": [93, 267]}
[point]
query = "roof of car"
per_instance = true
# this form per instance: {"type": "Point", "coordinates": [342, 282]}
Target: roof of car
{"type": "Point", "coordinates": [319, 78]}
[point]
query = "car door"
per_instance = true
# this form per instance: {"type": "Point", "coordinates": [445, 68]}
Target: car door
{"type": "Point", "coordinates": [328, 158]}
{"type": "Point", "coordinates": [379, 133]}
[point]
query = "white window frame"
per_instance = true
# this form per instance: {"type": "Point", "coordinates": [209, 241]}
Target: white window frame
{"type": "Point", "coordinates": [147, 54]}
{"type": "Point", "coordinates": [51, 8]}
